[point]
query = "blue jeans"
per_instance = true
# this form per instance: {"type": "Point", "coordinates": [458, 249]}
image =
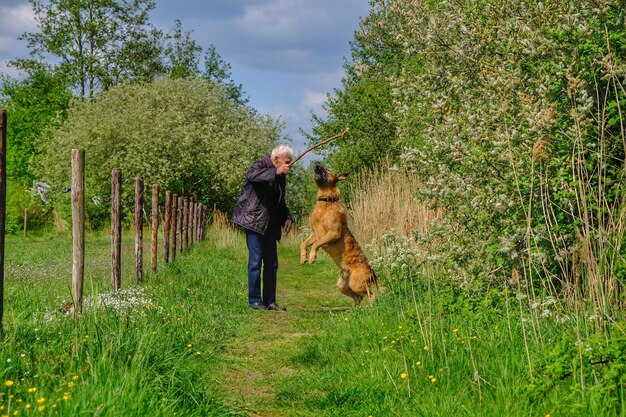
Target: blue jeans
{"type": "Point", "coordinates": [261, 251]}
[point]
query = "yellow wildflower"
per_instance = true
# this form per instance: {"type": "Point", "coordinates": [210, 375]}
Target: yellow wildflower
{"type": "Point", "coordinates": [32, 389]}
{"type": "Point", "coordinates": [70, 384]}
{"type": "Point", "coordinates": [418, 363]}
{"type": "Point", "coordinates": [41, 408]}
{"type": "Point", "coordinates": [189, 345]}
{"type": "Point", "coordinates": [426, 347]}
{"type": "Point", "coordinates": [403, 375]}
{"type": "Point", "coordinates": [75, 377]}
{"type": "Point", "coordinates": [27, 406]}
{"type": "Point", "coordinates": [66, 396]}
{"type": "Point", "coordinates": [8, 383]}
{"type": "Point", "coordinates": [41, 400]}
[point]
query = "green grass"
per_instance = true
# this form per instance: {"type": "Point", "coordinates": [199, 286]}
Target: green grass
{"type": "Point", "coordinates": [194, 348]}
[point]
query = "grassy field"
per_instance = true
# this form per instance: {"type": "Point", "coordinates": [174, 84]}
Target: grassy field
{"type": "Point", "coordinates": [185, 343]}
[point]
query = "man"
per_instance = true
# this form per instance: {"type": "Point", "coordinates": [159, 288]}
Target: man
{"type": "Point", "coordinates": [261, 211]}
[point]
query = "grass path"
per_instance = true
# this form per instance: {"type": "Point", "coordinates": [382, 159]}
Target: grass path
{"type": "Point", "coordinates": [260, 357]}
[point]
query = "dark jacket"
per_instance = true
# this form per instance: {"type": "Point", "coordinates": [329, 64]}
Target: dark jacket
{"type": "Point", "coordinates": [261, 206]}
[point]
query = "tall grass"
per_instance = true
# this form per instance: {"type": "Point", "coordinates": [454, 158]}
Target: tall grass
{"type": "Point", "coordinates": [385, 198]}
{"type": "Point", "coordinates": [145, 351]}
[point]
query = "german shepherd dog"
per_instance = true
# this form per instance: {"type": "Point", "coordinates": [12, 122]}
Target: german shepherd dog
{"type": "Point", "coordinates": [329, 225]}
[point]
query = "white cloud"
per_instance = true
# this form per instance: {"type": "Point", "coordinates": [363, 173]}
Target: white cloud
{"type": "Point", "coordinates": [285, 20]}
{"type": "Point", "coordinates": [313, 100]}
{"type": "Point", "coordinates": [17, 19]}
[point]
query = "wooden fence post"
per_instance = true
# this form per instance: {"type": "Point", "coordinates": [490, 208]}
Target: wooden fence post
{"type": "Point", "coordinates": [174, 224]}
{"type": "Point", "coordinates": [139, 229]}
{"type": "Point", "coordinates": [204, 211]}
{"type": "Point", "coordinates": [116, 230]}
{"type": "Point", "coordinates": [199, 227]}
{"type": "Point", "coordinates": [198, 211]}
{"type": "Point", "coordinates": [155, 225]}
{"type": "Point", "coordinates": [180, 223]}
{"type": "Point", "coordinates": [3, 204]}
{"type": "Point", "coordinates": [192, 223]}
{"type": "Point", "coordinates": [78, 227]}
{"type": "Point", "coordinates": [26, 222]}
{"type": "Point", "coordinates": [166, 227]}
{"type": "Point", "coordinates": [186, 223]}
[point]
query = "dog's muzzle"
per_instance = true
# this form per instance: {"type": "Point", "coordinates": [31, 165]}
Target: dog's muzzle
{"type": "Point", "coordinates": [320, 173]}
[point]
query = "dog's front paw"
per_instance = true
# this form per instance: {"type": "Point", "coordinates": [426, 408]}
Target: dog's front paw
{"type": "Point", "coordinates": [303, 260]}
{"type": "Point", "coordinates": [312, 257]}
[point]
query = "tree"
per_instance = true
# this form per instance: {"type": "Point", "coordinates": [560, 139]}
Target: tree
{"type": "Point", "coordinates": [98, 43]}
{"type": "Point", "coordinates": [33, 104]}
{"type": "Point", "coordinates": [365, 101]}
{"type": "Point", "coordinates": [182, 54]}
{"type": "Point", "coordinates": [219, 71]}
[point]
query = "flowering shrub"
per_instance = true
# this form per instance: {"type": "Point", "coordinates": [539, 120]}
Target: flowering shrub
{"type": "Point", "coordinates": [511, 114]}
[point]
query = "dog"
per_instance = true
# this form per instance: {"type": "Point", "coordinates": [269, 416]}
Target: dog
{"type": "Point", "coordinates": [329, 225]}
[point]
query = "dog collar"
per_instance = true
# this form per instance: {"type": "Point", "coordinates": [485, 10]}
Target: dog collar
{"type": "Point", "coordinates": [328, 199]}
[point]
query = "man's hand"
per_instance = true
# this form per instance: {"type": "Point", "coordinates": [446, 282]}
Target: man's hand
{"type": "Point", "coordinates": [287, 226]}
{"type": "Point", "coordinates": [283, 169]}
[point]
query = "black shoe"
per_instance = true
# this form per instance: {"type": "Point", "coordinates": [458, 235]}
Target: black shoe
{"type": "Point", "coordinates": [276, 307]}
{"type": "Point", "coordinates": [257, 306]}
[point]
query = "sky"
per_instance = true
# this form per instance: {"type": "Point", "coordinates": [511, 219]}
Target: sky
{"type": "Point", "coordinates": [287, 54]}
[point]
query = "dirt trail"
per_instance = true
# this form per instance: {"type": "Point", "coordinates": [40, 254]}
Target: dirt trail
{"type": "Point", "coordinates": [258, 359]}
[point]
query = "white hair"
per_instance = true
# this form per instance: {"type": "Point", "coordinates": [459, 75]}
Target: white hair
{"type": "Point", "coordinates": [282, 150]}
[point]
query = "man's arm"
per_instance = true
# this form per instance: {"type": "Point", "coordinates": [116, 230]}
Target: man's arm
{"type": "Point", "coordinates": [259, 173]}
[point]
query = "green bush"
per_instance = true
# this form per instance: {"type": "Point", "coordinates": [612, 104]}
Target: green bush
{"type": "Point", "coordinates": [186, 135]}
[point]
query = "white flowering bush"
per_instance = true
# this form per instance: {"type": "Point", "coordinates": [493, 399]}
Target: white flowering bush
{"type": "Point", "coordinates": [511, 113]}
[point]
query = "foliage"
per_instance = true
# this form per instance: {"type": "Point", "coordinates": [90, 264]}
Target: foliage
{"type": "Point", "coordinates": [301, 192]}
{"type": "Point", "coordinates": [183, 134]}
{"type": "Point", "coordinates": [511, 113]}
{"type": "Point", "coordinates": [364, 103]}
{"type": "Point", "coordinates": [32, 104]}
{"type": "Point", "coordinates": [99, 43]}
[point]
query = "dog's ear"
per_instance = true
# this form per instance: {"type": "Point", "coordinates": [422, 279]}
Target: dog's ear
{"type": "Point", "coordinates": [342, 177]}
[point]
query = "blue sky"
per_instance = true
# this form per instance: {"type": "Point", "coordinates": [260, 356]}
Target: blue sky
{"type": "Point", "coordinates": [287, 53]}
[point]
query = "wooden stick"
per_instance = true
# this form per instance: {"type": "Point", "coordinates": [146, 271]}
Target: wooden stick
{"type": "Point", "coordinates": [78, 227]}
{"type": "Point", "coordinates": [155, 225]}
{"type": "Point", "coordinates": [139, 229]}
{"type": "Point", "coordinates": [116, 230]}
{"type": "Point", "coordinates": [325, 141]}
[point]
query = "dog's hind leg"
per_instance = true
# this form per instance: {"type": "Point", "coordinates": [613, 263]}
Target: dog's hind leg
{"type": "Point", "coordinates": [305, 244]}
{"type": "Point", "coordinates": [343, 283]}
